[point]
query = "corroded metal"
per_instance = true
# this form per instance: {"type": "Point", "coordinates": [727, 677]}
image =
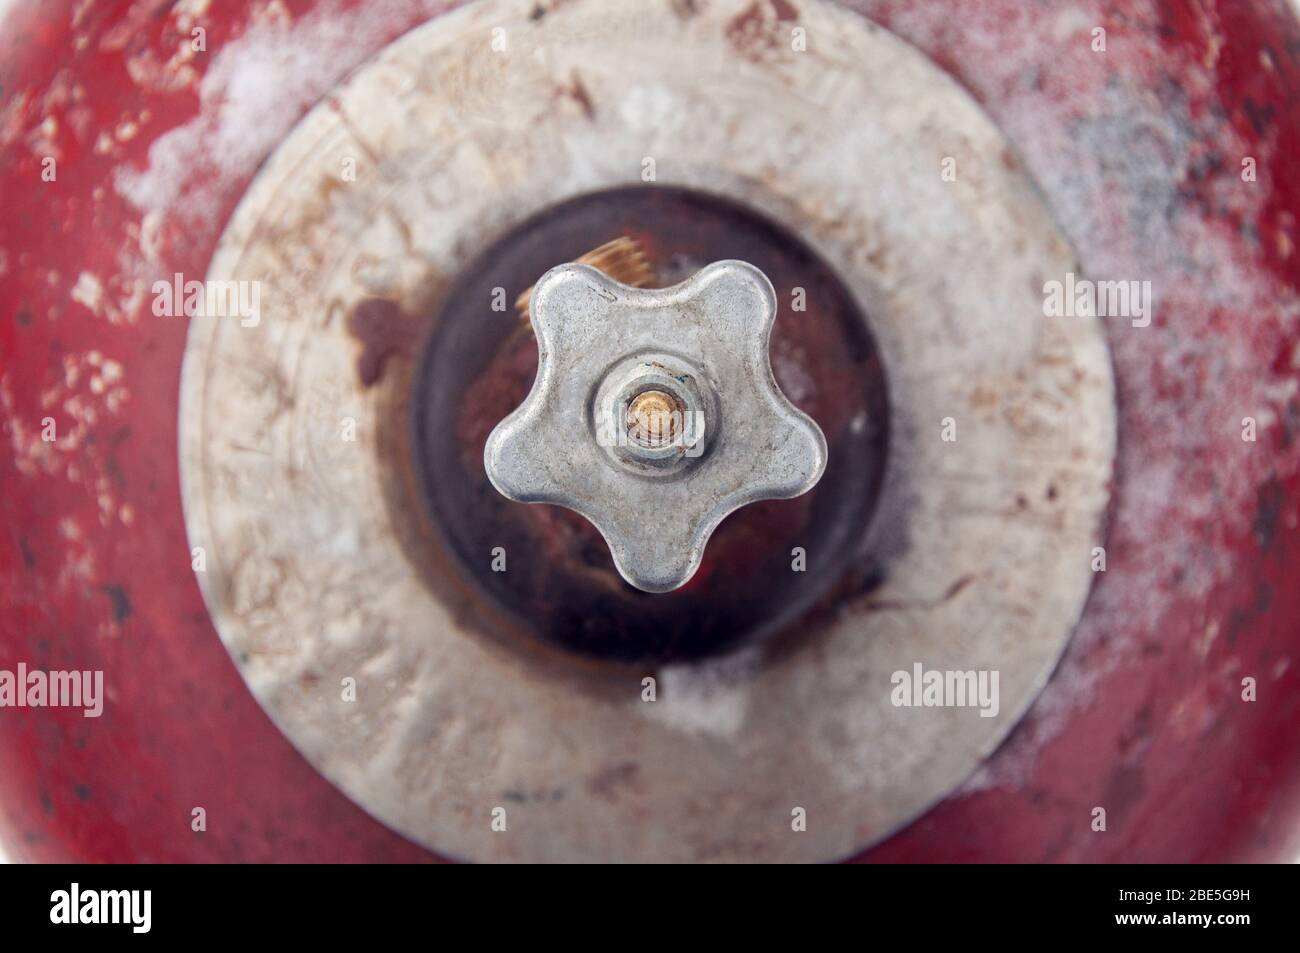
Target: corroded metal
{"type": "Point", "coordinates": [982, 541]}
{"type": "Point", "coordinates": [1127, 150]}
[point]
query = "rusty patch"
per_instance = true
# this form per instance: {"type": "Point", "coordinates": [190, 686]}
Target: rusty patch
{"type": "Point", "coordinates": [757, 30]}
{"type": "Point", "coordinates": [384, 331]}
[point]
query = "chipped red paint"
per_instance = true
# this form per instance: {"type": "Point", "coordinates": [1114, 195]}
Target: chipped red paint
{"type": "Point", "coordinates": [94, 572]}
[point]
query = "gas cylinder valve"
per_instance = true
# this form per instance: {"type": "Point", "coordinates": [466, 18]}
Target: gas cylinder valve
{"type": "Point", "coordinates": [654, 414]}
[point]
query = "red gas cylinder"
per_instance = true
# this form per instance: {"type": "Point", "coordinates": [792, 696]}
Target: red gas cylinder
{"type": "Point", "coordinates": [1035, 280]}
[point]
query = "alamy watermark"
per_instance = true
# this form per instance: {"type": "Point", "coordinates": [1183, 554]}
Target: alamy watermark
{"type": "Point", "coordinates": [200, 299]}
{"type": "Point", "coordinates": [33, 688]}
{"type": "Point", "coordinates": [628, 425]}
{"type": "Point", "coordinates": [1083, 298]}
{"type": "Point", "coordinates": [941, 688]}
{"type": "Point", "coordinates": [133, 908]}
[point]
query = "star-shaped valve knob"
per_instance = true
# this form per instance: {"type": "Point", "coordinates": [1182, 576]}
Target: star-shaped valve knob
{"type": "Point", "coordinates": [654, 414]}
